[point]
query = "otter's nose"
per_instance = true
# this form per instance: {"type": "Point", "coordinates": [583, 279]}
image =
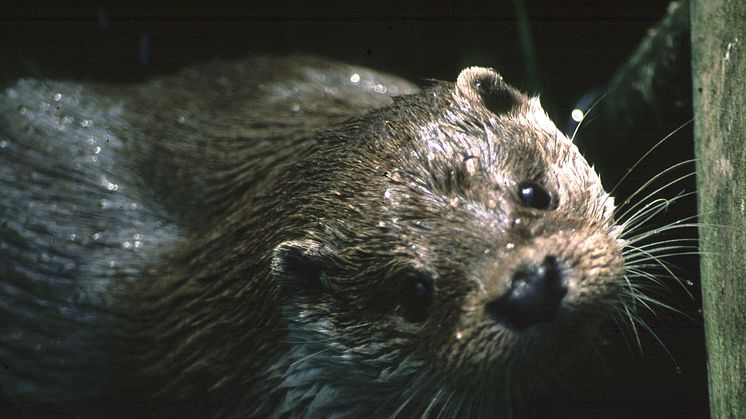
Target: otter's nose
{"type": "Point", "coordinates": [534, 296]}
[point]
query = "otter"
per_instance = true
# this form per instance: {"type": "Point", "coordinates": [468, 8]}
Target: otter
{"type": "Point", "coordinates": [294, 237]}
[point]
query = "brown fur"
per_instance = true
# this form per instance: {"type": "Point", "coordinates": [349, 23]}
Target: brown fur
{"type": "Point", "coordinates": [340, 253]}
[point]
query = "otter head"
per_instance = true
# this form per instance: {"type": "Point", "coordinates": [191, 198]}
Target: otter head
{"type": "Point", "coordinates": [465, 248]}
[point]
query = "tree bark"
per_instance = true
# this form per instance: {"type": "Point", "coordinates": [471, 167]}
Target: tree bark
{"type": "Point", "coordinates": [719, 81]}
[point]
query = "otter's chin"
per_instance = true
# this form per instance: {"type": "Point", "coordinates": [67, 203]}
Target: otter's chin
{"type": "Point", "coordinates": [499, 353]}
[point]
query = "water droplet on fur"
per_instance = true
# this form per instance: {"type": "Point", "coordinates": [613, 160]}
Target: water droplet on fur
{"type": "Point", "coordinates": [96, 150]}
{"type": "Point", "coordinates": [510, 246]}
{"type": "Point", "coordinates": [91, 140]}
{"type": "Point", "coordinates": [388, 194]}
{"type": "Point", "coordinates": [137, 236]}
{"type": "Point", "coordinates": [471, 168]}
{"type": "Point", "coordinates": [126, 245]}
{"type": "Point", "coordinates": [86, 123]}
{"type": "Point", "coordinates": [181, 119]}
{"type": "Point", "coordinates": [379, 88]}
{"type": "Point", "coordinates": [22, 110]}
{"type": "Point", "coordinates": [3, 144]}
{"type": "Point", "coordinates": [690, 283]}
{"type": "Point", "coordinates": [138, 244]}
{"type": "Point", "coordinates": [72, 236]}
{"type": "Point", "coordinates": [112, 264]}
{"type": "Point", "coordinates": [96, 236]}
{"type": "Point", "coordinates": [355, 78]}
{"type": "Point", "coordinates": [57, 97]}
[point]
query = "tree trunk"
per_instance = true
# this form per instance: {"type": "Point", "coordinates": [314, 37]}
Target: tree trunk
{"type": "Point", "coordinates": [719, 78]}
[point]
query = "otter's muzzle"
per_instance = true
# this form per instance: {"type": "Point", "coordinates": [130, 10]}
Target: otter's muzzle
{"type": "Point", "coordinates": [534, 296]}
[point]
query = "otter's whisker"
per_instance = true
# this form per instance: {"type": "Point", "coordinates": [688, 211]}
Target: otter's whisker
{"type": "Point", "coordinates": [402, 406]}
{"type": "Point", "coordinates": [652, 209]}
{"type": "Point", "coordinates": [637, 259]}
{"type": "Point", "coordinates": [636, 221]}
{"type": "Point", "coordinates": [644, 156]}
{"type": "Point", "coordinates": [646, 275]}
{"type": "Point", "coordinates": [623, 324]}
{"type": "Point", "coordinates": [634, 253]}
{"type": "Point", "coordinates": [662, 264]}
{"type": "Point", "coordinates": [641, 302]}
{"type": "Point", "coordinates": [650, 330]}
{"type": "Point", "coordinates": [656, 256]}
{"type": "Point", "coordinates": [436, 398]}
{"type": "Point", "coordinates": [628, 236]}
{"type": "Point", "coordinates": [649, 212]}
{"type": "Point", "coordinates": [628, 250]}
{"type": "Point", "coordinates": [638, 256]}
{"type": "Point", "coordinates": [649, 300]}
{"type": "Point", "coordinates": [632, 323]}
{"type": "Point", "coordinates": [452, 405]}
{"type": "Point", "coordinates": [649, 195]}
{"type": "Point", "coordinates": [587, 115]}
{"type": "Point", "coordinates": [669, 227]}
{"type": "Point", "coordinates": [656, 177]}
{"type": "Point", "coordinates": [645, 298]}
{"type": "Point", "coordinates": [419, 388]}
{"type": "Point", "coordinates": [645, 214]}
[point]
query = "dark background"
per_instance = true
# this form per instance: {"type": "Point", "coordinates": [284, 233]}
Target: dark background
{"type": "Point", "coordinates": [577, 46]}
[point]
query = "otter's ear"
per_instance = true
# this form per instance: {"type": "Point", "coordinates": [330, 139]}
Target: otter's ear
{"type": "Point", "coordinates": [298, 262]}
{"type": "Point", "coordinates": [486, 87]}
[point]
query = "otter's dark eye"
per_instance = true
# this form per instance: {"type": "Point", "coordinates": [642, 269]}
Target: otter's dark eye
{"type": "Point", "coordinates": [416, 294]}
{"type": "Point", "coordinates": [534, 195]}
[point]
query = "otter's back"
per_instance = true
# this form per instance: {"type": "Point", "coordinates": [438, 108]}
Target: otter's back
{"type": "Point", "coordinates": [99, 181]}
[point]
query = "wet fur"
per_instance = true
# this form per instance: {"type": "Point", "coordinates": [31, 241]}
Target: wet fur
{"type": "Point", "coordinates": [233, 240]}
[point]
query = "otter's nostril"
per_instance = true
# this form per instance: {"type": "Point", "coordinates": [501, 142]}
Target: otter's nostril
{"type": "Point", "coordinates": [535, 294]}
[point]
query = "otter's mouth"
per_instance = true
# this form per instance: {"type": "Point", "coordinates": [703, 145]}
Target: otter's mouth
{"type": "Point", "coordinates": [534, 296]}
